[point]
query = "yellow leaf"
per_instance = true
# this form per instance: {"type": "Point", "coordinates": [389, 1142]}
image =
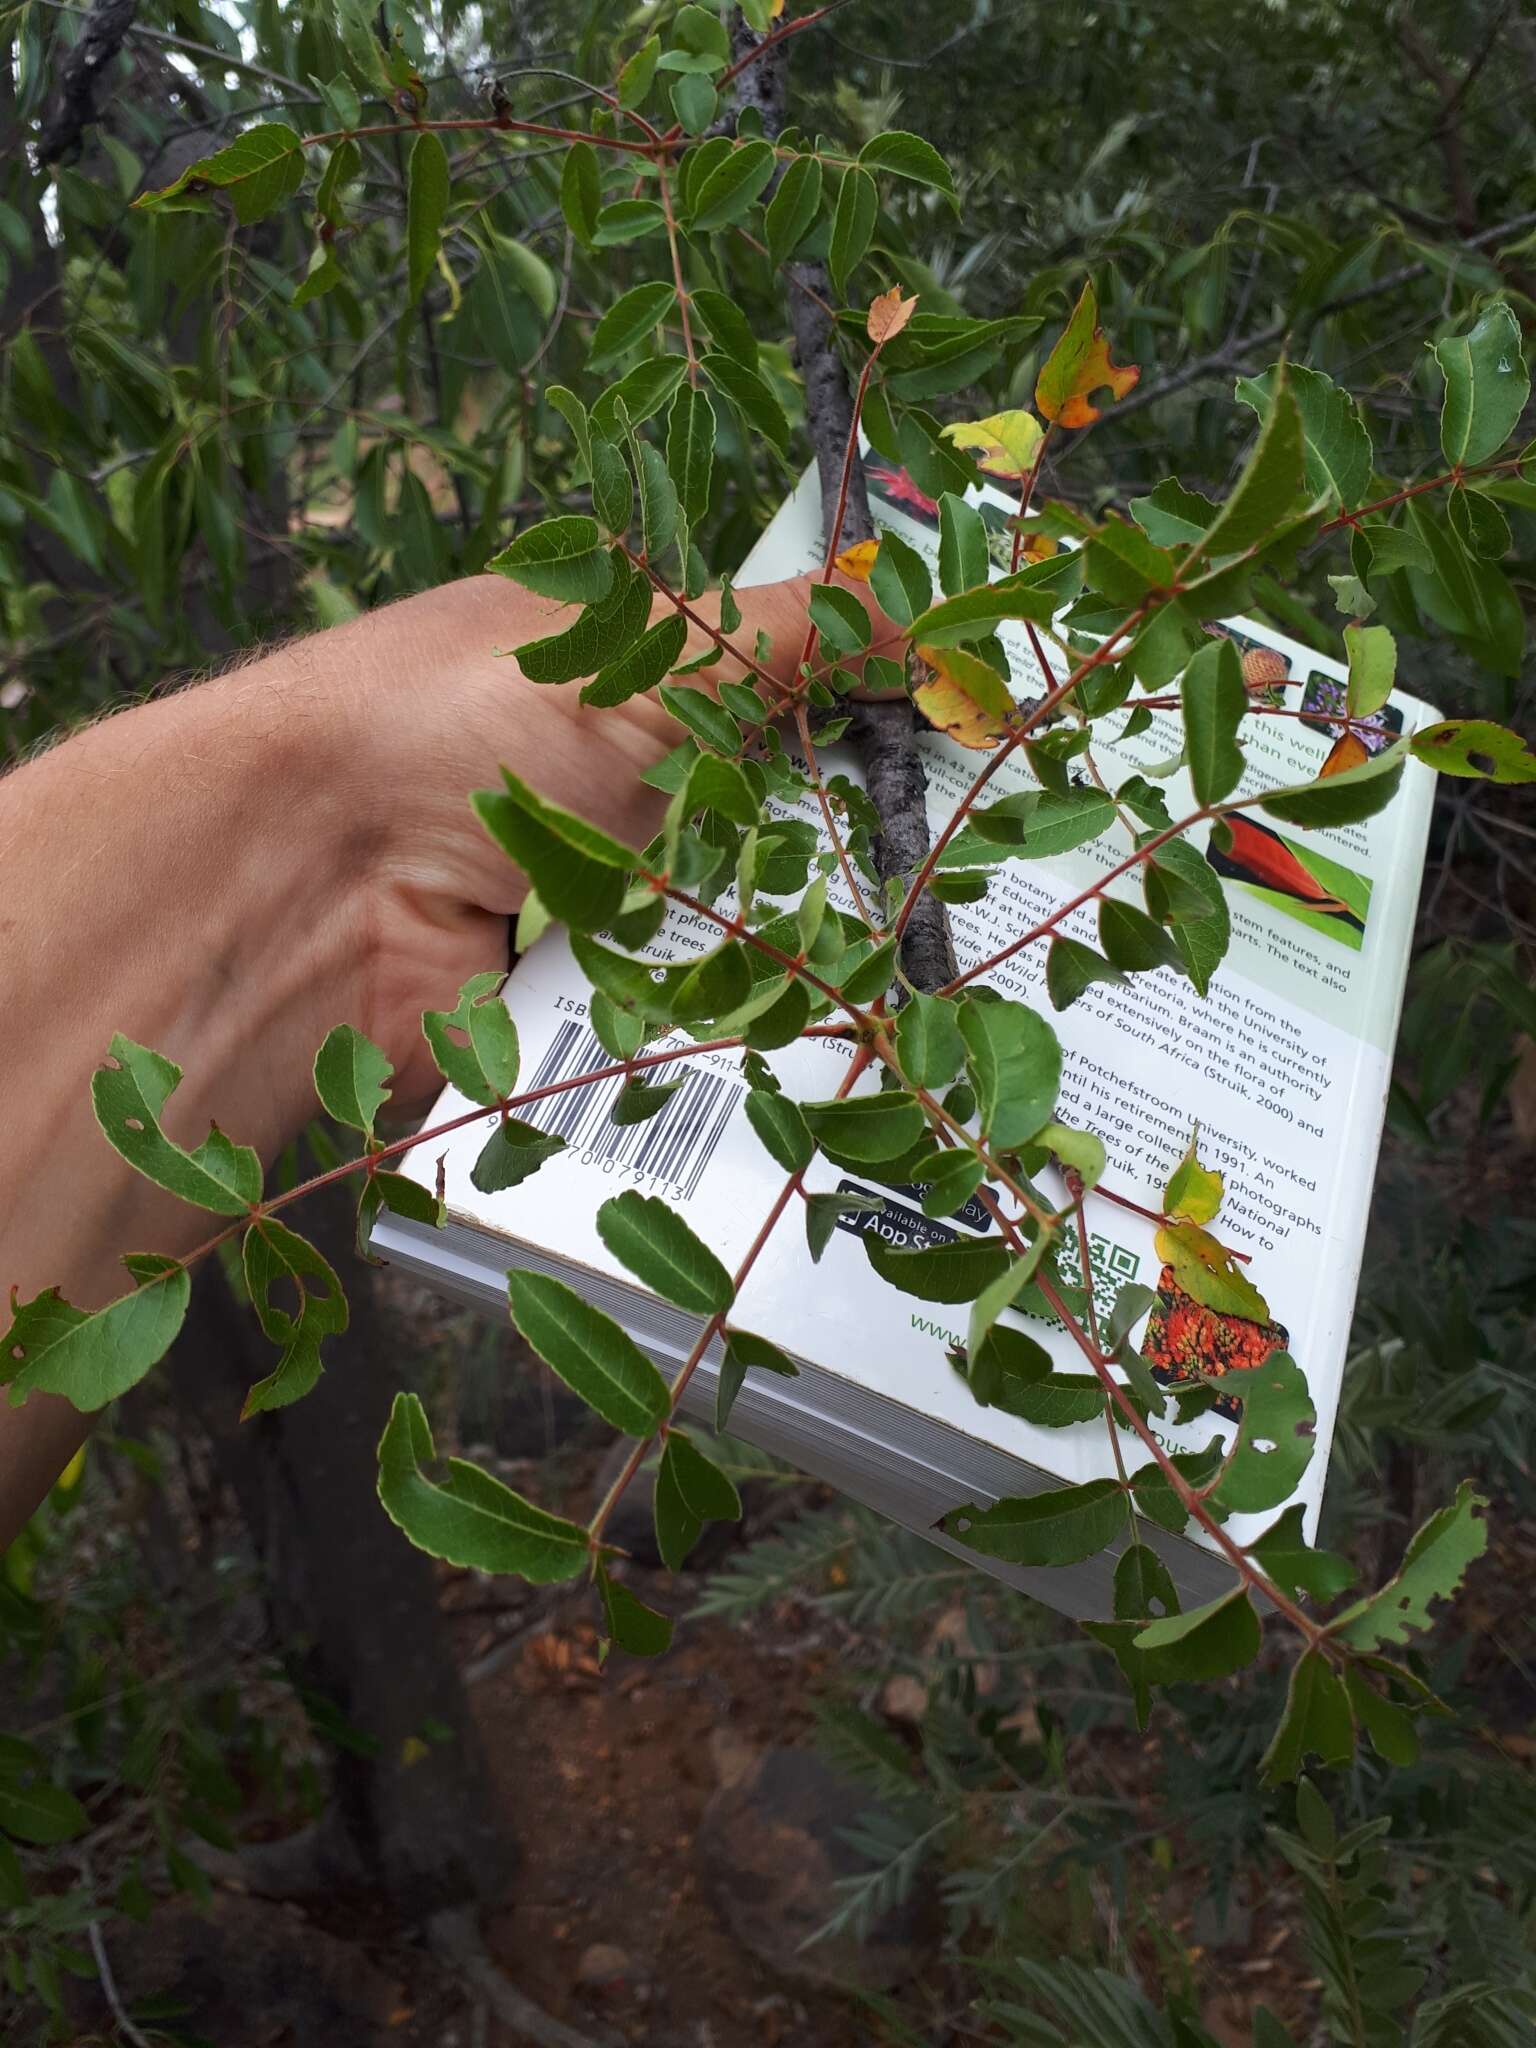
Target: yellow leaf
{"type": "Point", "coordinates": [1039, 547]}
{"type": "Point", "coordinates": [889, 314]}
{"type": "Point", "coordinates": [859, 560]}
{"type": "Point", "coordinates": [1005, 443]}
{"type": "Point", "coordinates": [776, 10]}
{"type": "Point", "coordinates": [965, 698]}
{"type": "Point", "coordinates": [412, 1750]}
{"type": "Point", "coordinates": [1208, 1272]}
{"type": "Point", "coordinates": [1079, 365]}
{"type": "Point", "coordinates": [1193, 1191]}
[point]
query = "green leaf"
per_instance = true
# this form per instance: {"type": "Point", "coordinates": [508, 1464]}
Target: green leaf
{"type": "Point", "coordinates": [1013, 1058]}
{"type": "Point", "coordinates": [691, 450]}
{"type": "Point", "coordinates": [1285, 1556]}
{"type": "Point", "coordinates": [613, 495]}
{"type": "Point", "coordinates": [750, 395]}
{"type": "Point", "coordinates": [728, 324]}
{"type": "Point", "coordinates": [42, 1812]}
{"type": "Point", "coordinates": [589, 1351]}
{"type": "Point", "coordinates": [581, 191]}
{"type": "Point", "coordinates": [275, 1256]}
{"type": "Point", "coordinates": [950, 1182]}
{"type": "Point", "coordinates": [1316, 1721]}
{"type": "Point", "coordinates": [407, 1197]}
{"type": "Point", "coordinates": [908, 156]}
{"type": "Point", "coordinates": [1062, 1526]}
{"type": "Point", "coordinates": [639, 393]}
{"type": "Point", "coordinates": [1475, 747]}
{"type": "Point", "coordinates": [839, 618]}
{"type": "Point", "coordinates": [1486, 387]}
{"type": "Point", "coordinates": [426, 204]}
{"type": "Point", "coordinates": [628, 320]}
{"type": "Point", "coordinates": [677, 1526]}
{"type": "Point", "coordinates": [1478, 523]}
{"type": "Point", "coordinates": [469, 1518]}
{"type": "Point", "coordinates": [1144, 1588]}
{"type": "Point", "coordinates": [956, 1272]}
{"type": "Point", "coordinates": [1372, 668]}
{"type": "Point", "coordinates": [1338, 454]}
{"type": "Point", "coordinates": [565, 558]}
{"type": "Point", "coordinates": [1345, 798]}
{"type": "Point", "coordinates": [578, 871]}
{"type": "Point", "coordinates": [694, 101]}
{"type": "Point", "coordinates": [743, 1352]}
{"type": "Point", "coordinates": [928, 1041]}
{"type": "Point", "coordinates": [864, 1129]}
{"type": "Point", "coordinates": [642, 666]}
{"type": "Point", "coordinates": [128, 1095]}
{"type": "Point", "coordinates": [1071, 967]}
{"type": "Point", "coordinates": [853, 223]}
{"type": "Point", "coordinates": [706, 1491]}
{"type": "Point", "coordinates": [660, 1249]}
{"type": "Point", "coordinates": [781, 1129]}
{"type": "Point", "coordinates": [351, 1076]}
{"type": "Point", "coordinates": [511, 1154]}
{"type": "Point", "coordinates": [1172, 515]}
{"type": "Point", "coordinates": [963, 558]}
{"type": "Point", "coordinates": [631, 1624]}
{"type": "Point", "coordinates": [633, 84]}
{"type": "Point", "coordinates": [638, 1101]}
{"type": "Point", "coordinates": [1271, 480]}
{"type": "Point", "coordinates": [1002, 1293]}
{"type": "Point", "coordinates": [658, 502]}
{"type": "Point", "coordinates": [92, 1356]}
{"type": "Point", "coordinates": [793, 207]}
{"type": "Point", "coordinates": [704, 718]}
{"type": "Point", "coordinates": [1132, 940]}
{"type": "Point", "coordinates": [460, 1064]}
{"type": "Point", "coordinates": [900, 580]}
{"type": "Point", "coordinates": [259, 169]}
{"type": "Point", "coordinates": [1214, 702]}
{"type": "Point", "coordinates": [1276, 1435]}
{"type": "Point", "coordinates": [822, 1212]}
{"type": "Point", "coordinates": [1389, 1726]}
{"type": "Point", "coordinates": [979, 612]}
{"type": "Point", "coordinates": [1433, 1566]}
{"type": "Point", "coordinates": [1207, 1642]}
{"type": "Point", "coordinates": [729, 190]}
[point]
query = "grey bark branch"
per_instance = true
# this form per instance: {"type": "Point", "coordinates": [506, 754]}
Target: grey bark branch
{"type": "Point", "coordinates": [885, 733]}
{"type": "Point", "coordinates": [75, 109]}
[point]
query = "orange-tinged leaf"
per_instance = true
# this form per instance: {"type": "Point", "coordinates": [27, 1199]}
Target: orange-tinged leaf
{"type": "Point", "coordinates": [1079, 365]}
{"type": "Point", "coordinates": [1039, 547]}
{"type": "Point", "coordinates": [889, 314]}
{"type": "Point", "coordinates": [1349, 751]}
{"type": "Point", "coordinates": [859, 560]}
{"type": "Point", "coordinates": [964, 697]}
{"type": "Point", "coordinates": [1005, 444]}
{"type": "Point", "coordinates": [1207, 1271]}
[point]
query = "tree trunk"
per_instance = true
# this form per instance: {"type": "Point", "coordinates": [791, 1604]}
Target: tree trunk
{"type": "Point", "coordinates": [353, 1606]}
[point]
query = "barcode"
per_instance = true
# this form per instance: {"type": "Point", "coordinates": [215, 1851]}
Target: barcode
{"type": "Point", "coordinates": [673, 1147]}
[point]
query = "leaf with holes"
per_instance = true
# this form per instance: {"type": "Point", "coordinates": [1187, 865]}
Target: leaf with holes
{"type": "Point", "coordinates": [128, 1095]}
{"type": "Point", "coordinates": [1433, 1567]}
{"type": "Point", "coordinates": [458, 1064]}
{"type": "Point", "coordinates": [1209, 1272]}
{"type": "Point", "coordinates": [259, 169]}
{"type": "Point", "coordinates": [1276, 1435]}
{"type": "Point", "coordinates": [92, 1356]}
{"type": "Point", "coordinates": [1475, 747]}
{"type": "Point", "coordinates": [468, 1518]}
{"type": "Point", "coordinates": [276, 1257]}
{"type": "Point", "coordinates": [1061, 1526]}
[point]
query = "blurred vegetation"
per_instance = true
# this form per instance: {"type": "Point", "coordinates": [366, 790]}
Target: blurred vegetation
{"type": "Point", "coordinates": [192, 460]}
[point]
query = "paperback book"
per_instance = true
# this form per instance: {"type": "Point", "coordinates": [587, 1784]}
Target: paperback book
{"type": "Point", "coordinates": [1282, 1068]}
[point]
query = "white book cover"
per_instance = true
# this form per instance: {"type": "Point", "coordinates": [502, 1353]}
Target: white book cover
{"type": "Point", "coordinates": [1284, 1066]}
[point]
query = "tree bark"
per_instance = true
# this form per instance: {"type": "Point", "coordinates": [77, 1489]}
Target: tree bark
{"type": "Point", "coordinates": [884, 733]}
{"type": "Point", "coordinates": [353, 1606]}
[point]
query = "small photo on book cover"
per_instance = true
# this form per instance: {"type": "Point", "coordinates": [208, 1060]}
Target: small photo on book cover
{"type": "Point", "coordinates": [1295, 878]}
{"type": "Point", "coordinates": [1186, 1342]}
{"type": "Point", "coordinates": [1323, 707]}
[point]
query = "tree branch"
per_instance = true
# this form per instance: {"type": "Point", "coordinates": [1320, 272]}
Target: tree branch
{"type": "Point", "coordinates": [75, 110]}
{"type": "Point", "coordinates": [885, 733]}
